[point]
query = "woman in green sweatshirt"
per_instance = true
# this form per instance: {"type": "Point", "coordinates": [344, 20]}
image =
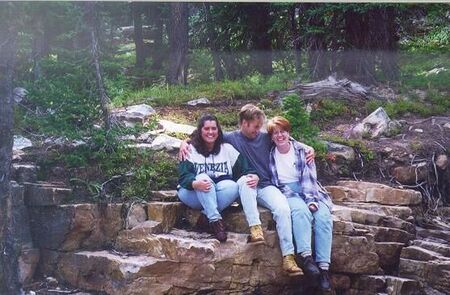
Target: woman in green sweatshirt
{"type": "Point", "coordinates": [214, 175]}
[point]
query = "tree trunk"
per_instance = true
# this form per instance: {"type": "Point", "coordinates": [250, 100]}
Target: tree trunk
{"type": "Point", "coordinates": [261, 44]}
{"type": "Point", "coordinates": [212, 43]}
{"type": "Point", "coordinates": [231, 65]}
{"type": "Point", "coordinates": [9, 281]}
{"type": "Point", "coordinates": [37, 49]}
{"type": "Point", "coordinates": [91, 20]}
{"type": "Point", "coordinates": [387, 41]}
{"type": "Point", "coordinates": [136, 10]}
{"type": "Point", "coordinates": [178, 42]}
{"type": "Point", "coordinates": [157, 52]}
{"type": "Point", "coordinates": [358, 60]}
{"type": "Point", "coordinates": [297, 44]}
{"type": "Point", "coordinates": [317, 57]}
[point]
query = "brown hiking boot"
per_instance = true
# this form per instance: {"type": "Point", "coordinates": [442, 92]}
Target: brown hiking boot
{"type": "Point", "coordinates": [202, 224]}
{"type": "Point", "coordinates": [290, 266]}
{"type": "Point", "coordinates": [256, 234]}
{"type": "Point", "coordinates": [218, 229]}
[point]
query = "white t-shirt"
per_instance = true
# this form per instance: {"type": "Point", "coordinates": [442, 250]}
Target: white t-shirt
{"type": "Point", "coordinates": [285, 164]}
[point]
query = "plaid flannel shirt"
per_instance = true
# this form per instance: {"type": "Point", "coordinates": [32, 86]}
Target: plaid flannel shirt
{"type": "Point", "coordinates": [312, 191]}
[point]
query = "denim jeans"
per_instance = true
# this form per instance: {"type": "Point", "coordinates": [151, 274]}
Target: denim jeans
{"type": "Point", "coordinates": [303, 222]}
{"type": "Point", "coordinates": [248, 200]}
{"type": "Point", "coordinates": [271, 198]}
{"type": "Point", "coordinates": [219, 197]}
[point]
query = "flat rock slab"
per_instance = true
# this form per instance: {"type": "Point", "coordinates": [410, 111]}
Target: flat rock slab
{"type": "Point", "coordinates": [435, 274]}
{"type": "Point", "coordinates": [120, 274]}
{"type": "Point", "coordinates": [72, 227]}
{"type": "Point", "coordinates": [171, 127]}
{"type": "Point", "coordinates": [359, 191]}
{"type": "Point", "coordinates": [46, 194]}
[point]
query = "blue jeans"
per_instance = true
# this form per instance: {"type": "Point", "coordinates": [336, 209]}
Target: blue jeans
{"type": "Point", "coordinates": [219, 197]}
{"type": "Point", "coordinates": [248, 200]}
{"type": "Point", "coordinates": [273, 199]}
{"type": "Point", "coordinates": [303, 222]}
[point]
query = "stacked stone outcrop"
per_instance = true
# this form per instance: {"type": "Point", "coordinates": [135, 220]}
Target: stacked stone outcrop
{"type": "Point", "coordinates": [150, 247]}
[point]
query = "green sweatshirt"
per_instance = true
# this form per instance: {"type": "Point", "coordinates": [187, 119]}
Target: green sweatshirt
{"type": "Point", "coordinates": [227, 164]}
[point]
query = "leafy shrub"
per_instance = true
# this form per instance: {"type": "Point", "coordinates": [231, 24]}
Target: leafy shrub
{"type": "Point", "coordinates": [329, 109]}
{"type": "Point", "coordinates": [302, 129]}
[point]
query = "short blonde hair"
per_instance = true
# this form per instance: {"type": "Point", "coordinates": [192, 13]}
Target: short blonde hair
{"type": "Point", "coordinates": [251, 112]}
{"type": "Point", "coordinates": [280, 122]}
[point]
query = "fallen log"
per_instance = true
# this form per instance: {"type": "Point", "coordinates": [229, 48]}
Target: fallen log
{"type": "Point", "coordinates": [328, 88]}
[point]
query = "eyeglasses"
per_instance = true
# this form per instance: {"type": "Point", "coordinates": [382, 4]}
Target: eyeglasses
{"type": "Point", "coordinates": [282, 132]}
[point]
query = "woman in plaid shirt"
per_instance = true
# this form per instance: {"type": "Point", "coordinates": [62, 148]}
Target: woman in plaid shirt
{"type": "Point", "coordinates": [309, 202]}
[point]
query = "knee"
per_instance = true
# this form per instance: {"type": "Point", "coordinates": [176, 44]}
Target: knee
{"type": "Point", "coordinates": [323, 220]}
{"type": "Point", "coordinates": [282, 210]}
{"type": "Point", "coordinates": [232, 186]}
{"type": "Point", "coordinates": [242, 180]}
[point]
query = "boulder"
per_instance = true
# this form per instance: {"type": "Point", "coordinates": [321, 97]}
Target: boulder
{"type": "Point", "coordinates": [171, 127]}
{"type": "Point", "coordinates": [131, 115]}
{"type": "Point", "coordinates": [340, 158]}
{"type": "Point", "coordinates": [411, 174]}
{"type": "Point", "coordinates": [341, 152]}
{"type": "Point", "coordinates": [200, 101]}
{"type": "Point", "coordinates": [376, 124]}
{"type": "Point", "coordinates": [164, 141]}
{"type": "Point", "coordinates": [21, 142]}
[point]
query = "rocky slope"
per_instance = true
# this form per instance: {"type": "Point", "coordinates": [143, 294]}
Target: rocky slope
{"type": "Point", "coordinates": [149, 248]}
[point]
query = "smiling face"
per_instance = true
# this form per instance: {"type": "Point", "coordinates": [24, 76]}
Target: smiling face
{"type": "Point", "coordinates": [209, 133]}
{"type": "Point", "coordinates": [280, 136]}
{"type": "Point", "coordinates": [251, 128]}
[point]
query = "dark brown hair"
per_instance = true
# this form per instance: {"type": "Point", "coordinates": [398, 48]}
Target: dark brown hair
{"type": "Point", "coordinates": [197, 140]}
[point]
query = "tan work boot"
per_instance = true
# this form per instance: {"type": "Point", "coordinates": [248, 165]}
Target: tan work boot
{"type": "Point", "coordinates": [256, 234]}
{"type": "Point", "coordinates": [290, 266]}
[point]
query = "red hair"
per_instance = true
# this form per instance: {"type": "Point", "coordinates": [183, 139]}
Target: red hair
{"type": "Point", "coordinates": [279, 122]}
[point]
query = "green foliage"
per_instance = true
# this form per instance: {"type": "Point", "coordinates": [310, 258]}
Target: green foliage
{"type": "Point", "coordinates": [417, 71]}
{"type": "Point", "coordinates": [251, 87]}
{"type": "Point", "coordinates": [158, 171]}
{"type": "Point", "coordinates": [201, 66]}
{"type": "Point", "coordinates": [64, 103]}
{"type": "Point", "coordinates": [328, 109]}
{"type": "Point", "coordinates": [438, 104]}
{"type": "Point", "coordinates": [142, 170]}
{"type": "Point", "coordinates": [302, 129]}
